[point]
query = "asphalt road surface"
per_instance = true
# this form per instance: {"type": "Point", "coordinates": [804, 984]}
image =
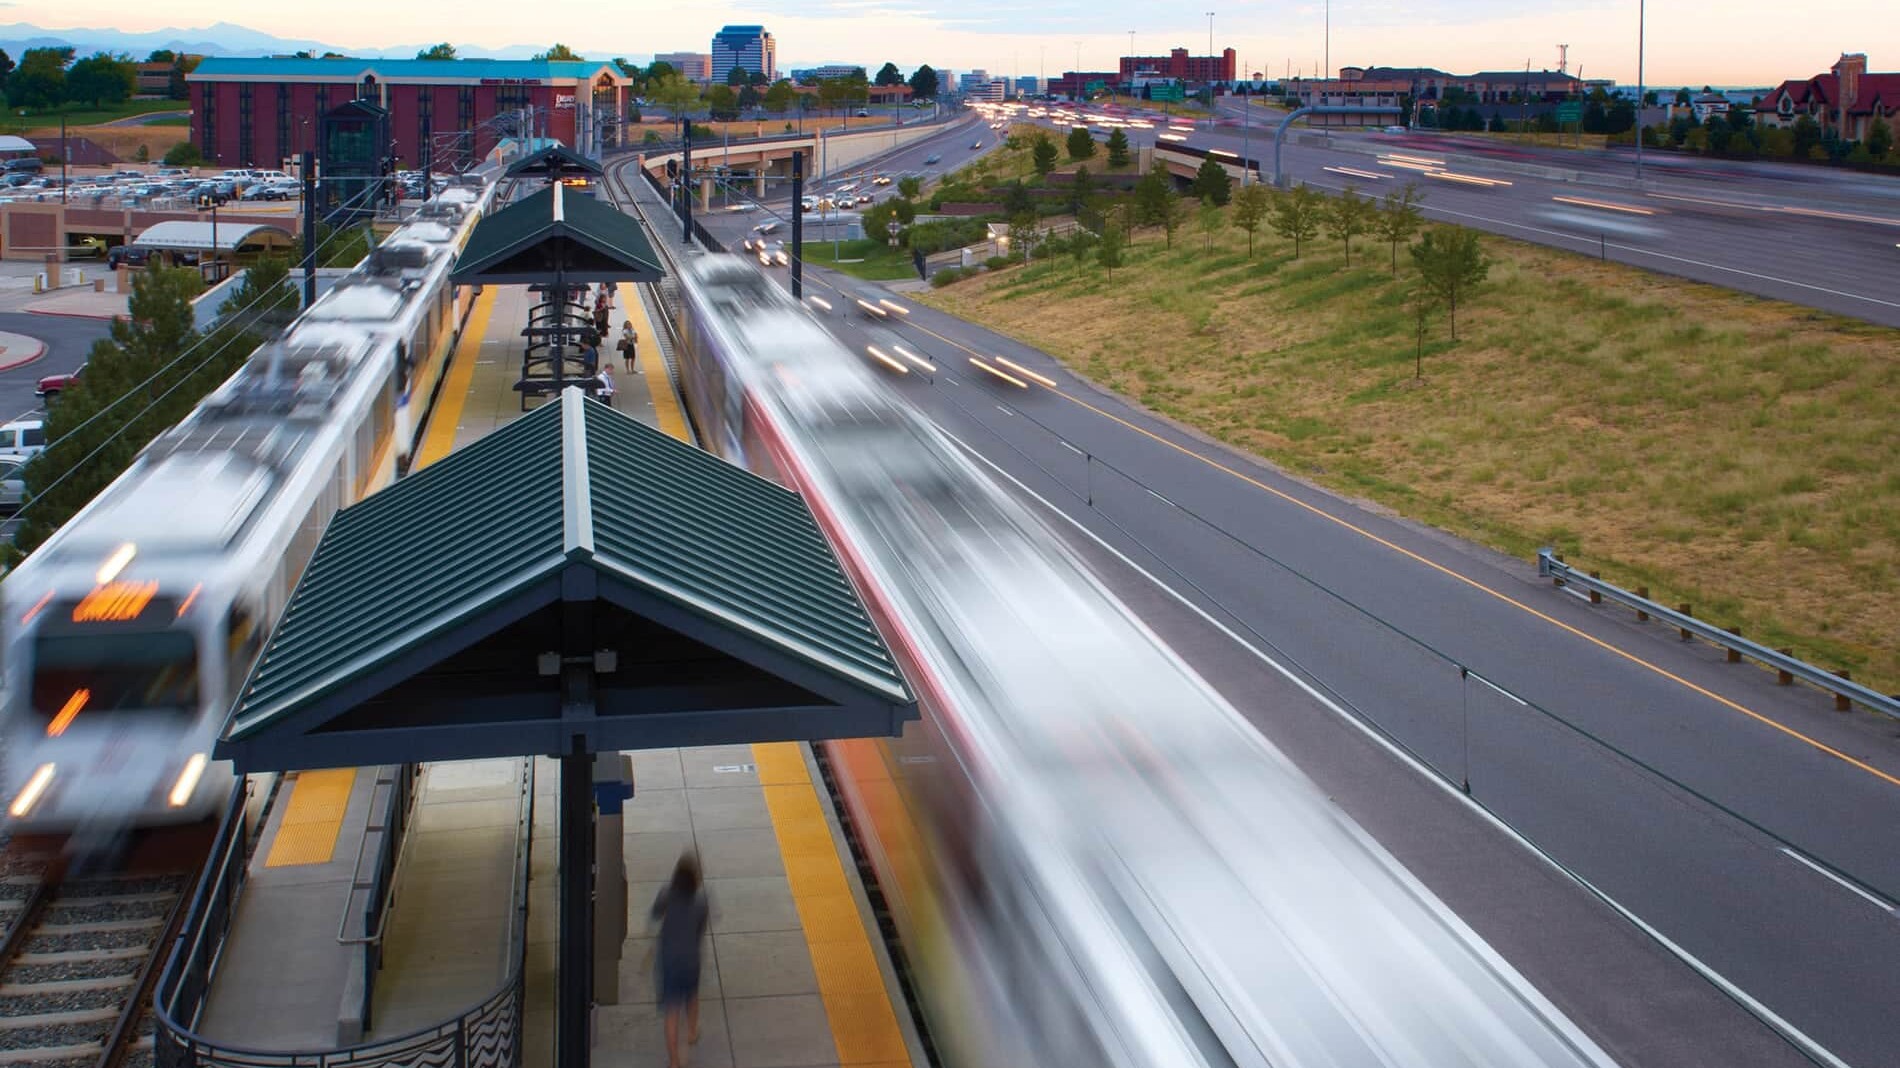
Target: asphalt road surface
{"type": "Point", "coordinates": [67, 342]}
{"type": "Point", "coordinates": [1822, 238]}
{"type": "Point", "coordinates": [1748, 823]}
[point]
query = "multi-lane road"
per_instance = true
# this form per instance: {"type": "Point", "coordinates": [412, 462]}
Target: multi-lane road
{"type": "Point", "coordinates": [1819, 237]}
{"type": "Point", "coordinates": [1749, 824]}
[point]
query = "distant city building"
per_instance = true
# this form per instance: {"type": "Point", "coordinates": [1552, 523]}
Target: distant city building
{"type": "Point", "coordinates": [1707, 104]}
{"type": "Point", "coordinates": [154, 79]}
{"type": "Point", "coordinates": [1845, 101]}
{"type": "Point", "coordinates": [1177, 65]}
{"type": "Point", "coordinates": [749, 47]}
{"type": "Point", "coordinates": [972, 81]}
{"type": "Point", "coordinates": [1074, 83]}
{"type": "Point", "coordinates": [1028, 85]}
{"type": "Point", "coordinates": [693, 66]}
{"type": "Point", "coordinates": [995, 89]}
{"type": "Point", "coordinates": [1382, 86]}
{"type": "Point", "coordinates": [830, 71]}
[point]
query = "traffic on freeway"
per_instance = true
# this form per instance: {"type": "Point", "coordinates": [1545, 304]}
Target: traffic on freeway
{"type": "Point", "coordinates": [1638, 770]}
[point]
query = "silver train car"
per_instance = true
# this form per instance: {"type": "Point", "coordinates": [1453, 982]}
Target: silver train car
{"type": "Point", "coordinates": [1090, 856]}
{"type": "Point", "coordinates": [128, 633]}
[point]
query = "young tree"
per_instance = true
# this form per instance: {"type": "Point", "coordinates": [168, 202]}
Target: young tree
{"type": "Point", "coordinates": [722, 102]}
{"type": "Point", "coordinates": [1081, 145]}
{"type": "Point", "coordinates": [1044, 154]}
{"type": "Point", "coordinates": [1212, 219]}
{"type": "Point", "coordinates": [909, 186]}
{"type": "Point", "coordinates": [1024, 231]}
{"type": "Point", "coordinates": [1117, 149]}
{"type": "Point", "coordinates": [1212, 183]}
{"type": "Point", "coordinates": [923, 84]}
{"type": "Point", "coordinates": [1174, 214]}
{"type": "Point", "coordinates": [444, 50]}
{"type": "Point", "coordinates": [1399, 219]}
{"type": "Point", "coordinates": [1081, 190]}
{"type": "Point", "coordinates": [888, 75]}
{"type": "Point", "coordinates": [674, 93]}
{"type": "Point", "coordinates": [1109, 252]}
{"type": "Point", "coordinates": [1418, 300]}
{"type": "Point", "coordinates": [1346, 218]}
{"type": "Point", "coordinates": [1016, 199]}
{"type": "Point", "coordinates": [1151, 194]}
{"type": "Point", "coordinates": [1251, 205]}
{"type": "Point", "coordinates": [1450, 262]}
{"type": "Point", "coordinates": [1296, 216]}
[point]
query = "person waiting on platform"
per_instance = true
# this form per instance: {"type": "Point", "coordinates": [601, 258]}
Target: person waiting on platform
{"type": "Point", "coordinates": [604, 384]}
{"type": "Point", "coordinates": [629, 345]}
{"type": "Point", "coordinates": [590, 358]}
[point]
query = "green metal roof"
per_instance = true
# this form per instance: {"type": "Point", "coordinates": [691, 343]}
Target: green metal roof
{"type": "Point", "coordinates": [589, 241]}
{"type": "Point", "coordinates": [554, 157]}
{"type": "Point", "coordinates": [570, 485]}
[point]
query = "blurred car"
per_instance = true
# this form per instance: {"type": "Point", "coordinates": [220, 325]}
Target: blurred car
{"type": "Point", "coordinates": [50, 387]}
{"type": "Point", "coordinates": [976, 145]}
{"type": "Point", "coordinates": [882, 179]}
{"type": "Point", "coordinates": [933, 158]}
{"type": "Point", "coordinates": [869, 305]}
{"type": "Point", "coordinates": [865, 198]}
{"type": "Point", "coordinates": [774, 254]}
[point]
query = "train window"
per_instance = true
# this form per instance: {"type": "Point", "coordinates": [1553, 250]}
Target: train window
{"type": "Point", "coordinates": [244, 636]}
{"type": "Point", "coordinates": [122, 671]}
{"type": "Point", "coordinates": [402, 367]}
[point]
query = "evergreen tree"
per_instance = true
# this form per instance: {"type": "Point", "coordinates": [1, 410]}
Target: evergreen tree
{"type": "Point", "coordinates": [923, 84]}
{"type": "Point", "coordinates": [1081, 145]}
{"type": "Point", "coordinates": [1174, 214]}
{"type": "Point", "coordinates": [1212, 183]}
{"type": "Point", "coordinates": [1151, 194]}
{"type": "Point", "coordinates": [1879, 138]}
{"type": "Point", "coordinates": [888, 75]}
{"type": "Point", "coordinates": [1109, 252]}
{"type": "Point", "coordinates": [1117, 149]}
{"type": "Point", "coordinates": [1080, 191]}
{"type": "Point", "coordinates": [1044, 154]}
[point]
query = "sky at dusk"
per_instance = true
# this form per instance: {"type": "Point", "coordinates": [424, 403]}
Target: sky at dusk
{"type": "Point", "coordinates": [1739, 42]}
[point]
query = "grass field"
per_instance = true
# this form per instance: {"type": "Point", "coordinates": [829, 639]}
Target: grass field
{"type": "Point", "coordinates": [44, 122]}
{"type": "Point", "coordinates": [1727, 451]}
{"type": "Point", "coordinates": [863, 258]}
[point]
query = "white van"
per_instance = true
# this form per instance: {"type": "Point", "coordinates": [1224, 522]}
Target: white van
{"type": "Point", "coordinates": [24, 438]}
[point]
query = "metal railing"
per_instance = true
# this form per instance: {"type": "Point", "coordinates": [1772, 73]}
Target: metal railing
{"type": "Point", "coordinates": [487, 1035]}
{"type": "Point", "coordinates": [1787, 667]}
{"type": "Point", "coordinates": [379, 887]}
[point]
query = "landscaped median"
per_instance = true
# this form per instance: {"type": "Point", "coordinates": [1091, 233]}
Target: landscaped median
{"type": "Point", "coordinates": [1726, 451]}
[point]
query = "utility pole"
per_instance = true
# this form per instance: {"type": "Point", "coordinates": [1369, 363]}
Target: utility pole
{"type": "Point", "coordinates": [1640, 94]}
{"type": "Point", "coordinates": [1325, 72]}
{"type": "Point", "coordinates": [798, 224]}
{"type": "Point", "coordinates": [686, 183]}
{"type": "Point", "coordinates": [309, 228]}
{"type": "Point", "coordinates": [63, 153]}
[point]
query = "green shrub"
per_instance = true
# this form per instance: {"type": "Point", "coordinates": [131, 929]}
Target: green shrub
{"type": "Point", "coordinates": [945, 277]}
{"type": "Point", "coordinates": [183, 154]}
{"type": "Point", "coordinates": [997, 263]}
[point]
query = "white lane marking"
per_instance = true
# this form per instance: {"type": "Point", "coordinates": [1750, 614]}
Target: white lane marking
{"type": "Point", "coordinates": [1878, 902]}
{"type": "Point", "coordinates": [1794, 1034]}
{"type": "Point", "coordinates": [1647, 252]}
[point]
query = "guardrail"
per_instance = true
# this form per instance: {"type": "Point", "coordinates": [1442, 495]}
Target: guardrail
{"type": "Point", "coordinates": [487, 1035]}
{"type": "Point", "coordinates": [1846, 691]}
{"type": "Point", "coordinates": [375, 877]}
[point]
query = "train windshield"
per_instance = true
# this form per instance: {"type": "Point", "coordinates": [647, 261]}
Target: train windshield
{"type": "Point", "coordinates": [124, 671]}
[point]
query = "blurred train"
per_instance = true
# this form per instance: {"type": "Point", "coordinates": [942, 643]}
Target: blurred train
{"type": "Point", "coordinates": [129, 631]}
{"type": "Point", "coordinates": [1090, 856]}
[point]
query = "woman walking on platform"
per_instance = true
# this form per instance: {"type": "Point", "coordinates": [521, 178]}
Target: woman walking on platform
{"type": "Point", "coordinates": [682, 913]}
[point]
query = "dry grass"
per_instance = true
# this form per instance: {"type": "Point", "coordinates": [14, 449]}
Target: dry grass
{"type": "Point", "coordinates": [124, 141]}
{"type": "Point", "coordinates": [1724, 450]}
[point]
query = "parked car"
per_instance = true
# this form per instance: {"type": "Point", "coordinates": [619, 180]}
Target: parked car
{"type": "Point", "coordinates": [50, 387]}
{"type": "Point", "coordinates": [24, 438]}
{"type": "Point", "coordinates": [24, 165]}
{"type": "Point", "coordinates": [12, 486]}
{"type": "Point", "coordinates": [123, 256]}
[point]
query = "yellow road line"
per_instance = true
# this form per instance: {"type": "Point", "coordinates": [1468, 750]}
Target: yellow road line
{"type": "Point", "coordinates": [1468, 581]}
{"type": "Point", "coordinates": [857, 1003]}
{"type": "Point", "coordinates": [666, 406]}
{"type": "Point", "coordinates": [454, 394]}
{"type": "Point", "coordinates": [312, 819]}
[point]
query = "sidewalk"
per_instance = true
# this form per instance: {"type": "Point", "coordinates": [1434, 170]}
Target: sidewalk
{"type": "Point", "coordinates": [18, 350]}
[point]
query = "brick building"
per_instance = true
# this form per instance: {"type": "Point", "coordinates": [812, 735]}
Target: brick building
{"type": "Point", "coordinates": [1180, 66]}
{"type": "Point", "coordinates": [1073, 83]}
{"type": "Point", "coordinates": [1845, 101]}
{"type": "Point", "coordinates": [258, 112]}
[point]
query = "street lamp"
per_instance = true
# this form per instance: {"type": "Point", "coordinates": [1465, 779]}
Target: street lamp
{"type": "Point", "coordinates": [210, 200]}
{"type": "Point", "coordinates": [1640, 92]}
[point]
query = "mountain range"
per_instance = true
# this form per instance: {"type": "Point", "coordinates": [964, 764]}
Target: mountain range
{"type": "Point", "coordinates": [217, 39]}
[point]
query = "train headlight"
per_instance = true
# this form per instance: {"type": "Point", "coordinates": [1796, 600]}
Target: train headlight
{"type": "Point", "coordinates": [187, 783]}
{"type": "Point", "coordinates": [35, 788]}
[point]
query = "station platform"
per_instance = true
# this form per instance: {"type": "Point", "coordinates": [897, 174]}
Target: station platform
{"type": "Point", "coordinates": [795, 974]}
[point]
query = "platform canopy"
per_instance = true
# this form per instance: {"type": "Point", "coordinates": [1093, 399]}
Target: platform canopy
{"type": "Point", "coordinates": [550, 236]}
{"type": "Point", "coordinates": [573, 582]}
{"type": "Point", "coordinates": [553, 161]}
{"type": "Point", "coordinates": [181, 235]}
{"type": "Point", "coordinates": [10, 143]}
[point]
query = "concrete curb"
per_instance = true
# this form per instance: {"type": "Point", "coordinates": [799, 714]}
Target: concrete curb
{"type": "Point", "coordinates": [9, 361]}
{"type": "Point", "coordinates": [110, 316]}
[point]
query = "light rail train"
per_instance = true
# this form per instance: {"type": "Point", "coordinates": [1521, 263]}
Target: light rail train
{"type": "Point", "coordinates": [1090, 856]}
{"type": "Point", "coordinates": [128, 632]}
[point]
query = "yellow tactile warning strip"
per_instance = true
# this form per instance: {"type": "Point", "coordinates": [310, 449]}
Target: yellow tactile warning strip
{"type": "Point", "coordinates": [857, 1003]}
{"type": "Point", "coordinates": [440, 437]}
{"type": "Point", "coordinates": [312, 819]}
{"type": "Point", "coordinates": [666, 407]}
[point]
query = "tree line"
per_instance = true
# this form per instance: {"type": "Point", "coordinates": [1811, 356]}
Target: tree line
{"type": "Point", "coordinates": [46, 78]}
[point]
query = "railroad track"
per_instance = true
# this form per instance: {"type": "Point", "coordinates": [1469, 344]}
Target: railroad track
{"type": "Point", "coordinates": [80, 955]}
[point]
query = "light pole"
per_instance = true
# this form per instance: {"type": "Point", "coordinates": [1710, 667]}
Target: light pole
{"type": "Point", "coordinates": [1329, 40]}
{"type": "Point", "coordinates": [1640, 92]}
{"type": "Point", "coordinates": [1246, 137]}
{"type": "Point", "coordinates": [1131, 61]}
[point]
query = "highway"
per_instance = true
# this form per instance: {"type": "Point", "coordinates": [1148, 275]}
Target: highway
{"type": "Point", "coordinates": [1782, 881]}
{"type": "Point", "coordinates": [1823, 239]}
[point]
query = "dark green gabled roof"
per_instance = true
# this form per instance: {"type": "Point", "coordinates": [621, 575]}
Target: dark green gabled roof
{"type": "Point", "coordinates": [572, 484]}
{"type": "Point", "coordinates": [554, 159]}
{"type": "Point", "coordinates": [585, 239]}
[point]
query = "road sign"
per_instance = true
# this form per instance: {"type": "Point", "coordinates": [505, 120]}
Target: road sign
{"type": "Point", "coordinates": [1570, 111]}
{"type": "Point", "coordinates": [1095, 86]}
{"type": "Point", "coordinates": [1166, 92]}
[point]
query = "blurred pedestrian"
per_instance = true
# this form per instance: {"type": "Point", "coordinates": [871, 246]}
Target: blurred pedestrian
{"type": "Point", "coordinates": [605, 390]}
{"type": "Point", "coordinates": [682, 913]}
